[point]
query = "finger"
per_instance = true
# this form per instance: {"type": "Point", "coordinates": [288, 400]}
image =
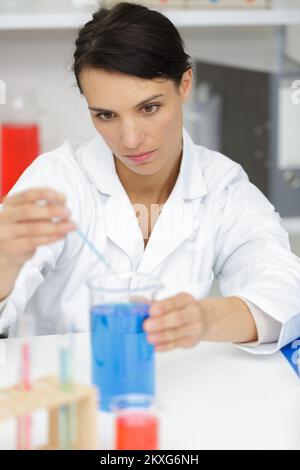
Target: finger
{"type": "Point", "coordinates": [192, 330]}
{"type": "Point", "coordinates": [184, 343]}
{"type": "Point", "coordinates": [28, 245]}
{"type": "Point", "coordinates": [44, 229]}
{"type": "Point", "coordinates": [178, 301]}
{"type": "Point", "coordinates": [35, 242]}
{"type": "Point", "coordinates": [171, 320]}
{"type": "Point", "coordinates": [27, 212]}
{"type": "Point", "coordinates": [38, 241]}
{"type": "Point", "coordinates": [33, 195]}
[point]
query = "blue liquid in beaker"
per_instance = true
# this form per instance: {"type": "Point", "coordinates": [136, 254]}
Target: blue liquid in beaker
{"type": "Point", "coordinates": [122, 358]}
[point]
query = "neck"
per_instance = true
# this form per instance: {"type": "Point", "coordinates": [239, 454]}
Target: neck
{"type": "Point", "coordinates": [150, 188]}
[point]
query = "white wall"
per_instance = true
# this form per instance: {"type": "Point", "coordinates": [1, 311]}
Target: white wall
{"type": "Point", "coordinates": [246, 47]}
{"type": "Point", "coordinates": [42, 60]}
{"type": "Point", "coordinates": [293, 43]}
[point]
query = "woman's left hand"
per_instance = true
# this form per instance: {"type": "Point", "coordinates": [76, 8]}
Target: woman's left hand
{"type": "Point", "coordinates": [176, 322]}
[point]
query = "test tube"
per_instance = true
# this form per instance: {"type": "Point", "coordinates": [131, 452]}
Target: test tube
{"type": "Point", "coordinates": [26, 330]}
{"type": "Point", "coordinates": [67, 413]}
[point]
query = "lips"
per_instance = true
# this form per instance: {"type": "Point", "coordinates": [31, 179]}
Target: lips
{"type": "Point", "coordinates": [141, 158]}
{"type": "Point", "coordinates": [140, 154]}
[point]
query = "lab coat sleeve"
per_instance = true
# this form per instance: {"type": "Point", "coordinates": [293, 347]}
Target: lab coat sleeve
{"type": "Point", "coordinates": [2, 305]}
{"type": "Point", "coordinates": [44, 172]}
{"type": "Point", "coordinates": [30, 278]}
{"type": "Point", "coordinates": [253, 257]}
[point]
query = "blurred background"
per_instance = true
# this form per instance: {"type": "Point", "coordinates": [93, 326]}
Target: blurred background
{"type": "Point", "coordinates": [245, 103]}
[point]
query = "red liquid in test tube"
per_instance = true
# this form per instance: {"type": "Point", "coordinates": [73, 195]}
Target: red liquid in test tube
{"type": "Point", "coordinates": [26, 379]}
{"type": "Point", "coordinates": [19, 147]}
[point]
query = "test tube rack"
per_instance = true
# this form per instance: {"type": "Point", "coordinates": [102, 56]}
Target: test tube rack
{"type": "Point", "coordinates": [46, 393]}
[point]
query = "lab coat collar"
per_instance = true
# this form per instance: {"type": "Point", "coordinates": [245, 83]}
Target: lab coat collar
{"type": "Point", "coordinates": [98, 161]}
{"type": "Point", "coordinates": [191, 171]}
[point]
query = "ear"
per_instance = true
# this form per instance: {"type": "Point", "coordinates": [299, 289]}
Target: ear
{"type": "Point", "coordinates": [186, 85]}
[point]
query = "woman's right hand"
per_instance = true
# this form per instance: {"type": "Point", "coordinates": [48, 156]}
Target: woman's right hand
{"type": "Point", "coordinates": [26, 224]}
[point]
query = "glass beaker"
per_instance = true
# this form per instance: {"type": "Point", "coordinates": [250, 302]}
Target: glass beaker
{"type": "Point", "coordinates": [136, 422]}
{"type": "Point", "coordinates": [122, 359]}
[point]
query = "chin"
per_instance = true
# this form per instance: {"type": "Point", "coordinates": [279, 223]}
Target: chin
{"type": "Point", "coordinates": [146, 169]}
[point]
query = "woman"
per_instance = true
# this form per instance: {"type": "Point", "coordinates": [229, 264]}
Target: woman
{"type": "Point", "coordinates": [151, 201]}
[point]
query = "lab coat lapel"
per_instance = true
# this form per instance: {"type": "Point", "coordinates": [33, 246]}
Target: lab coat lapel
{"type": "Point", "coordinates": [174, 225]}
{"type": "Point", "coordinates": [122, 227]}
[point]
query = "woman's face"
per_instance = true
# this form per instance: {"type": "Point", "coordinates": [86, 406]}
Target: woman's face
{"type": "Point", "coordinates": [137, 116]}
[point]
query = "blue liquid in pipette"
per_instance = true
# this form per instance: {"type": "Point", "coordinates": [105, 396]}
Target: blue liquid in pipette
{"type": "Point", "coordinates": [122, 358]}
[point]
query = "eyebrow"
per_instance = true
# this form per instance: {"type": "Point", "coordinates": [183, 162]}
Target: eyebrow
{"type": "Point", "coordinates": [153, 97]}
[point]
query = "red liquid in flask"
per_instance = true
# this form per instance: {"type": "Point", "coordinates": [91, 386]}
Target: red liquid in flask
{"type": "Point", "coordinates": [136, 431]}
{"type": "Point", "coordinates": [19, 147]}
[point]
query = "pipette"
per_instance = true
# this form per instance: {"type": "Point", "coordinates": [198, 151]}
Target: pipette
{"type": "Point", "coordinates": [94, 249]}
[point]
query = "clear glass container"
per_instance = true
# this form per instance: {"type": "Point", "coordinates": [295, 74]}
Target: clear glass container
{"type": "Point", "coordinates": [122, 359]}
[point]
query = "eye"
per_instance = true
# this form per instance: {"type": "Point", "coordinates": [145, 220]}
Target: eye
{"type": "Point", "coordinates": [105, 116]}
{"type": "Point", "coordinates": [151, 108]}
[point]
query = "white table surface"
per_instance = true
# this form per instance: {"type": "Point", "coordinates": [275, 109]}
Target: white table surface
{"type": "Point", "coordinates": [215, 396]}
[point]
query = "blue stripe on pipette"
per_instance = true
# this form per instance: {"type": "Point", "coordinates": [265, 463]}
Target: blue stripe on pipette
{"type": "Point", "coordinates": [93, 248]}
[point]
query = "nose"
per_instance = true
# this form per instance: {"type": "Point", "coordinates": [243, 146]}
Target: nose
{"type": "Point", "coordinates": [132, 135]}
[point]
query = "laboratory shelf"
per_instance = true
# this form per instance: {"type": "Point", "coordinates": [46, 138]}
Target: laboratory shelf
{"type": "Point", "coordinates": [181, 18]}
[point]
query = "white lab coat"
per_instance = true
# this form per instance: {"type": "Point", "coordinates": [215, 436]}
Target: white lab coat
{"type": "Point", "coordinates": [214, 224]}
